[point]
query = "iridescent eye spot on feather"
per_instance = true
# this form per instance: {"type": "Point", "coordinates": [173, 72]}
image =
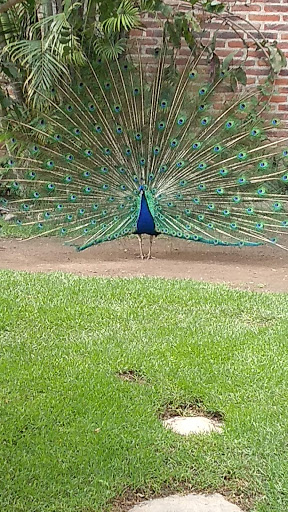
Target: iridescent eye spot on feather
{"type": "Point", "coordinates": [261, 191]}
{"type": "Point", "coordinates": [275, 122]}
{"type": "Point", "coordinates": [15, 185]}
{"type": "Point", "coordinates": [201, 217]}
{"type": "Point", "coordinates": [98, 128]}
{"type": "Point", "coordinates": [128, 152]}
{"type": "Point", "coordinates": [217, 149]}
{"type": "Point", "coordinates": [285, 178]}
{"type": "Point", "coordinates": [163, 104]}
{"type": "Point", "coordinates": [81, 212]}
{"type": "Point", "coordinates": [40, 225]}
{"type": "Point", "coordinates": [285, 152]}
{"type": "Point", "coordinates": [151, 177]}
{"type": "Point", "coordinates": [57, 137]}
{"type": "Point", "coordinates": [211, 206]}
{"type": "Point", "coordinates": [242, 106]}
{"type": "Point", "coordinates": [193, 74]}
{"type": "Point", "coordinates": [180, 164]}
{"type": "Point", "coordinates": [59, 207]}
{"type": "Point", "coordinates": [25, 207]}
{"type": "Point", "coordinates": [242, 180]}
{"type": "Point", "coordinates": [284, 223]}
{"type": "Point", "coordinates": [138, 136]}
{"type": "Point", "coordinates": [156, 150]}
{"type": "Point", "coordinates": [72, 198]}
{"type": "Point", "coordinates": [69, 108]}
{"type": "Point", "coordinates": [107, 86]}
{"type": "Point", "coordinates": [35, 195]}
{"type": "Point", "coordinates": [87, 190]}
{"type": "Point", "coordinates": [99, 61]}
{"type": "Point", "coordinates": [122, 170]}
{"type": "Point", "coordinates": [250, 211]}
{"type": "Point", "coordinates": [196, 200]}
{"type": "Point", "coordinates": [202, 187]}
{"type": "Point", "coordinates": [76, 131]}
{"type": "Point", "coordinates": [42, 122]}
{"type": "Point", "coordinates": [94, 207]}
{"type": "Point", "coordinates": [182, 183]}
{"type": "Point", "coordinates": [10, 162]}
{"type": "Point", "coordinates": [202, 166]}
{"type": "Point", "coordinates": [86, 174]}
{"type": "Point", "coordinates": [50, 187]}
{"type": "Point", "coordinates": [125, 67]}
{"type": "Point", "coordinates": [233, 225]}
{"type": "Point", "coordinates": [174, 143]}
{"type": "Point", "coordinates": [259, 226]}
{"type": "Point", "coordinates": [163, 168]}
{"type": "Point", "coordinates": [181, 121]}
{"type": "Point", "coordinates": [19, 222]}
{"type": "Point", "coordinates": [107, 151]}
{"type": "Point", "coordinates": [104, 170]}
{"type": "Point", "coordinates": [226, 213]}
{"type": "Point", "coordinates": [277, 207]}
{"type": "Point", "coordinates": [88, 152]}
{"type": "Point", "coordinates": [255, 132]}
{"type": "Point", "coordinates": [119, 130]}
{"type": "Point", "coordinates": [34, 149]}
{"type": "Point", "coordinates": [91, 107]}
{"type": "Point", "coordinates": [142, 161]}
{"type": "Point", "coordinates": [220, 191]}
{"type": "Point", "coordinates": [117, 108]}
{"type": "Point", "coordinates": [205, 121]}
{"type": "Point", "coordinates": [263, 165]}
{"type": "Point", "coordinates": [69, 217]}
{"type": "Point", "coordinates": [201, 107]}
{"type": "Point", "coordinates": [136, 91]}
{"type": "Point", "coordinates": [161, 125]}
{"type": "Point", "coordinates": [196, 145]}
{"type": "Point", "coordinates": [242, 155]}
{"type": "Point", "coordinates": [203, 91]}
{"type": "Point", "coordinates": [236, 199]}
{"type": "Point", "coordinates": [69, 157]}
{"type": "Point", "coordinates": [49, 164]}
{"type": "Point", "coordinates": [13, 140]}
{"type": "Point", "coordinates": [229, 125]}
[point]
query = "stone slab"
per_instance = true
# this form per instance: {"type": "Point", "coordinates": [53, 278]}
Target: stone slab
{"type": "Point", "coordinates": [188, 503]}
{"type": "Point", "coordinates": [186, 425]}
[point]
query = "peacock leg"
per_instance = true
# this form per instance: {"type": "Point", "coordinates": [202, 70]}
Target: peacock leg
{"type": "Point", "coordinates": [149, 256]}
{"type": "Point", "coordinates": [141, 246]}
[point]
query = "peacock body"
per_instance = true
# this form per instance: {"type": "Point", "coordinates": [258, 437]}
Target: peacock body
{"type": "Point", "coordinates": [117, 153]}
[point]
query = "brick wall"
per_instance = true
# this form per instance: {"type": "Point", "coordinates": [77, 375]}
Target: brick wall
{"type": "Point", "coordinates": [269, 16]}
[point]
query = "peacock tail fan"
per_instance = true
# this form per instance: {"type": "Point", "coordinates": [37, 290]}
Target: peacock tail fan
{"type": "Point", "coordinates": [209, 168]}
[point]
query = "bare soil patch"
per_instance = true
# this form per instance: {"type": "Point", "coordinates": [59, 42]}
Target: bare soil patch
{"type": "Point", "coordinates": [248, 268]}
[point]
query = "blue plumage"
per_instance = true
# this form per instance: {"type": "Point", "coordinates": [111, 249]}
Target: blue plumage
{"type": "Point", "coordinates": [145, 222]}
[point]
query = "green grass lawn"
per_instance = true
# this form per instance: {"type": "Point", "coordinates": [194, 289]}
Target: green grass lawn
{"type": "Point", "coordinates": [74, 436]}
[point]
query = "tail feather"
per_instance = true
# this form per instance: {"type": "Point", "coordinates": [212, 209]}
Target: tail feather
{"type": "Point", "coordinates": [211, 175]}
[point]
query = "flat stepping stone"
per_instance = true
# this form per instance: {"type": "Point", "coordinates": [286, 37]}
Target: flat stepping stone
{"type": "Point", "coordinates": [186, 425]}
{"type": "Point", "coordinates": [188, 503]}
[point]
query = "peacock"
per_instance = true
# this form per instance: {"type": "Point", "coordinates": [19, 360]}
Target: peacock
{"type": "Point", "coordinates": [122, 151]}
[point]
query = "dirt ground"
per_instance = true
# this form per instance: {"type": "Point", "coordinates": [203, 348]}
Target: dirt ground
{"type": "Point", "coordinates": [251, 268]}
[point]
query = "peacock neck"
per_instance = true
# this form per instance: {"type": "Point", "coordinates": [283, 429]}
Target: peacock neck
{"type": "Point", "coordinates": [145, 222]}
